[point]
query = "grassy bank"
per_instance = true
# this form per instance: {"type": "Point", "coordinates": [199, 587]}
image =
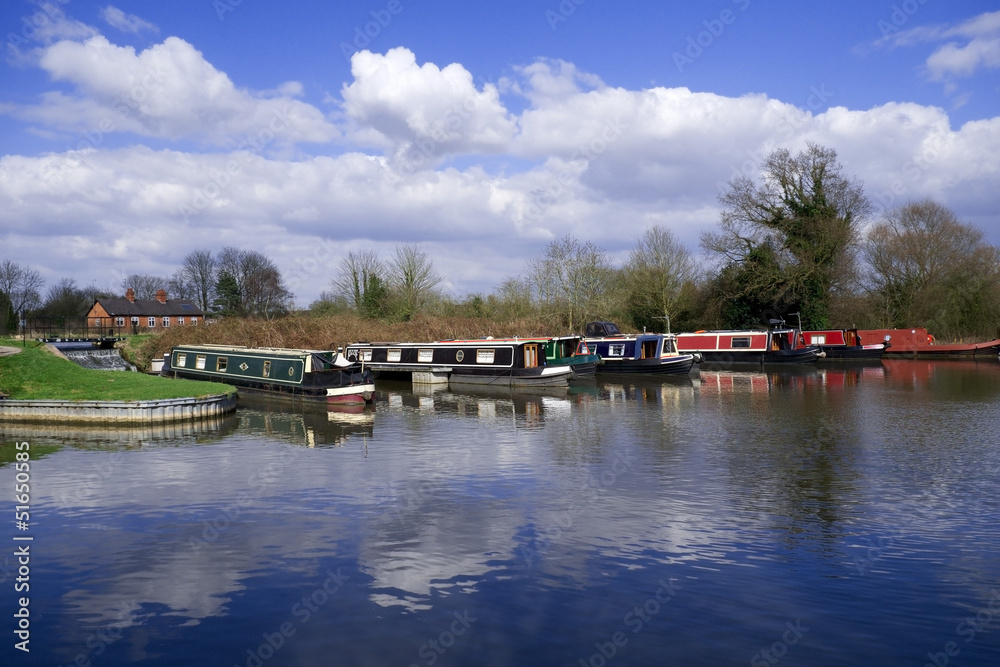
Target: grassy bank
{"type": "Point", "coordinates": [38, 374]}
{"type": "Point", "coordinates": [309, 332]}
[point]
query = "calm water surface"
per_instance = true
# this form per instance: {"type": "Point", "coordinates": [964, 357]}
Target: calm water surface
{"type": "Point", "coordinates": [823, 516]}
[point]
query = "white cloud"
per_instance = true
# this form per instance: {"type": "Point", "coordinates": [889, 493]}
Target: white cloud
{"type": "Point", "coordinates": [970, 46]}
{"type": "Point", "coordinates": [423, 113]}
{"type": "Point", "coordinates": [167, 91]}
{"type": "Point", "coordinates": [131, 23]}
{"type": "Point", "coordinates": [601, 163]}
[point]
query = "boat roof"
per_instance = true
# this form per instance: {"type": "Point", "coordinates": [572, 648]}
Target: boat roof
{"type": "Point", "coordinates": [245, 349]}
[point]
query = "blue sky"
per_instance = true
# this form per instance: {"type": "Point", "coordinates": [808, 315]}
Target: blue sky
{"type": "Point", "coordinates": [134, 133]}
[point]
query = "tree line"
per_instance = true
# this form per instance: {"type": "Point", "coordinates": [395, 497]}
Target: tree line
{"type": "Point", "coordinates": [235, 282]}
{"type": "Point", "coordinates": [800, 242]}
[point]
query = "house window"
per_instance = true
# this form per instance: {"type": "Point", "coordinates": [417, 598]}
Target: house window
{"type": "Point", "coordinates": [151, 322]}
{"type": "Point", "coordinates": [180, 321]}
{"type": "Point", "coordinates": [97, 322]}
{"type": "Point", "coordinates": [221, 364]}
{"type": "Point", "coordinates": [741, 341]}
{"type": "Point", "coordinates": [194, 320]}
{"type": "Point", "coordinates": [199, 362]}
{"type": "Point", "coordinates": [182, 359]}
{"type": "Point", "coordinates": [267, 369]}
{"type": "Point", "coordinates": [120, 321]}
{"type": "Point", "coordinates": [135, 323]}
{"type": "Point", "coordinates": [166, 321]}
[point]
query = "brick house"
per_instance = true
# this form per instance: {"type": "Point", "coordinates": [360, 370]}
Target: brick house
{"type": "Point", "coordinates": [129, 314]}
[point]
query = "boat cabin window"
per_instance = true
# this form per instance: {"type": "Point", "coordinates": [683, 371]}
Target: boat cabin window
{"type": "Point", "coordinates": [530, 356]}
{"type": "Point", "coordinates": [616, 350]}
{"type": "Point", "coordinates": [817, 339]}
{"type": "Point", "coordinates": [425, 356]}
{"type": "Point", "coordinates": [267, 369]}
{"type": "Point", "coordinates": [199, 362]}
{"type": "Point", "coordinates": [365, 355]}
{"type": "Point", "coordinates": [182, 359]}
{"type": "Point", "coordinates": [741, 341]}
{"type": "Point", "coordinates": [394, 354]}
{"type": "Point", "coordinates": [221, 364]}
{"type": "Point", "coordinates": [668, 346]}
{"type": "Point", "coordinates": [485, 356]}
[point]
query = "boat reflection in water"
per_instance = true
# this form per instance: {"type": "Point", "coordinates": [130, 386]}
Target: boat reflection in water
{"type": "Point", "coordinates": [309, 424]}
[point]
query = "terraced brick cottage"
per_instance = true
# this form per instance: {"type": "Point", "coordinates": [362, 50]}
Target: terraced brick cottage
{"type": "Point", "coordinates": [131, 314]}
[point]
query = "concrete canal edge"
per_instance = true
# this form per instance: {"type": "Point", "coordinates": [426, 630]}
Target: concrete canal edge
{"type": "Point", "coordinates": [117, 412]}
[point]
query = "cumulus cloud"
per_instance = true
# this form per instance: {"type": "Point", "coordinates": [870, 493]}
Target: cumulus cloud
{"type": "Point", "coordinates": [423, 113]}
{"type": "Point", "coordinates": [601, 163]}
{"type": "Point", "coordinates": [166, 91]}
{"type": "Point", "coordinates": [131, 23]}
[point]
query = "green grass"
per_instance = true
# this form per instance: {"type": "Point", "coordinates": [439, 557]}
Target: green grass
{"type": "Point", "coordinates": [37, 374]}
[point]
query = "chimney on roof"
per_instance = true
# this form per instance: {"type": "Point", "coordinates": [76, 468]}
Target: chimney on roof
{"type": "Point", "coordinates": [130, 294]}
{"type": "Point", "coordinates": [161, 295]}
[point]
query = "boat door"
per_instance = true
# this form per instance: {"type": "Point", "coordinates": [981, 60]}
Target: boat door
{"type": "Point", "coordinates": [649, 350]}
{"type": "Point", "coordinates": [531, 355]}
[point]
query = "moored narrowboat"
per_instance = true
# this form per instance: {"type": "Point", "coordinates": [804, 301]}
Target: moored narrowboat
{"type": "Point", "coordinates": [764, 346]}
{"type": "Point", "coordinates": [495, 362]}
{"type": "Point", "coordinates": [842, 344]}
{"type": "Point", "coordinates": [322, 375]}
{"type": "Point", "coordinates": [918, 343]}
{"type": "Point", "coordinates": [640, 353]}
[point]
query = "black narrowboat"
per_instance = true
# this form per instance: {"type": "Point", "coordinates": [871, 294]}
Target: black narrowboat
{"type": "Point", "coordinates": [495, 362]}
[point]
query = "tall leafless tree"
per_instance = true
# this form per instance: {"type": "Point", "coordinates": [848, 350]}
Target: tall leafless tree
{"type": "Point", "coordinates": [412, 277]}
{"type": "Point", "coordinates": [22, 285]}
{"type": "Point", "coordinates": [658, 269]}
{"type": "Point", "coordinates": [925, 268]}
{"type": "Point", "coordinates": [198, 271]}
{"type": "Point", "coordinates": [571, 279]}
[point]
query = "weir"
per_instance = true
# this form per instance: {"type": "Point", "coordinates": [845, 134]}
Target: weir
{"type": "Point", "coordinates": [88, 356]}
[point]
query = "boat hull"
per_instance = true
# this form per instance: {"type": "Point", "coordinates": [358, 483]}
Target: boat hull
{"type": "Point", "coordinates": [543, 376]}
{"type": "Point", "coordinates": [678, 365]}
{"type": "Point", "coordinates": [757, 358]}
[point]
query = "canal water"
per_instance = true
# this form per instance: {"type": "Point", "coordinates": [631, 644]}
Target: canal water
{"type": "Point", "coordinates": [836, 515]}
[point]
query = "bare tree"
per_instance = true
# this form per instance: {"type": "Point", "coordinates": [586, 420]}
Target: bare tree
{"type": "Point", "coordinates": [261, 289]}
{"type": "Point", "coordinates": [571, 279]}
{"type": "Point", "coordinates": [656, 274]}
{"type": "Point", "coordinates": [144, 285]}
{"type": "Point", "coordinates": [412, 276]}
{"type": "Point", "coordinates": [198, 272]}
{"type": "Point", "coordinates": [925, 268]}
{"type": "Point", "coordinates": [22, 286]}
{"type": "Point", "coordinates": [361, 280]}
